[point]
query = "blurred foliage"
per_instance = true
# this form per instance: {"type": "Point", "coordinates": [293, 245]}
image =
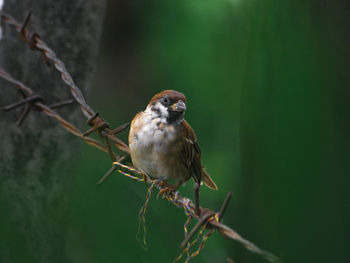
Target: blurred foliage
{"type": "Point", "coordinates": [267, 88]}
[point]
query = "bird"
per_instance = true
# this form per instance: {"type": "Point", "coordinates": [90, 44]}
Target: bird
{"type": "Point", "coordinates": [164, 146]}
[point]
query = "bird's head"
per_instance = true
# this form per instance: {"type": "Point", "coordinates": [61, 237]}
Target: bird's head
{"type": "Point", "coordinates": [169, 104]}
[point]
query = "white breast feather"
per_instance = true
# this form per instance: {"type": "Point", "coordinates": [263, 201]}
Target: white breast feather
{"type": "Point", "coordinates": [151, 133]}
{"type": "Point", "coordinates": [152, 139]}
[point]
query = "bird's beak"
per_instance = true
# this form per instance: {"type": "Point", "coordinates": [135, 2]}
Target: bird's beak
{"type": "Point", "coordinates": [179, 106]}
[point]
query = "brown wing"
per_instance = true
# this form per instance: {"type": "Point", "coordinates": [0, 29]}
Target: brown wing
{"type": "Point", "coordinates": [192, 157]}
{"type": "Point", "coordinates": [191, 152]}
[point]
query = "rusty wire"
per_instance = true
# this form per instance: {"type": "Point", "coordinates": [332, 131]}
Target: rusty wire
{"type": "Point", "coordinates": [208, 219]}
{"type": "Point", "coordinates": [36, 43]}
{"type": "Point", "coordinates": [49, 112]}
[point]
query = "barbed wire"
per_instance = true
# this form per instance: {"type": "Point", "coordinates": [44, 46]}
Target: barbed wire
{"type": "Point", "coordinates": [37, 44]}
{"type": "Point", "coordinates": [208, 219]}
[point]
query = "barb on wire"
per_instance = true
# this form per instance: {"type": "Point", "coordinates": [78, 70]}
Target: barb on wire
{"type": "Point", "coordinates": [190, 245]}
{"type": "Point", "coordinates": [203, 220]}
{"type": "Point", "coordinates": [224, 206]}
{"type": "Point", "coordinates": [51, 113]}
{"type": "Point", "coordinates": [121, 128]}
{"type": "Point", "coordinates": [208, 220]}
{"type": "Point", "coordinates": [36, 43]}
{"type": "Point", "coordinates": [62, 104]}
{"type": "Point", "coordinates": [30, 99]}
{"type": "Point", "coordinates": [23, 115]}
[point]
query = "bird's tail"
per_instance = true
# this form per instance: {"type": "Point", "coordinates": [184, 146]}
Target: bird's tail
{"type": "Point", "coordinates": [208, 181]}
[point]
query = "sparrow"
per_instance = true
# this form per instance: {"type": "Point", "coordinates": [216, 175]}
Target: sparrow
{"type": "Point", "coordinates": [164, 146]}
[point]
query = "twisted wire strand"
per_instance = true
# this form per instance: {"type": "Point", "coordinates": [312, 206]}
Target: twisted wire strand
{"type": "Point", "coordinates": [189, 209]}
{"type": "Point", "coordinates": [38, 44]}
{"type": "Point", "coordinates": [51, 113]}
{"type": "Point", "coordinates": [142, 215]}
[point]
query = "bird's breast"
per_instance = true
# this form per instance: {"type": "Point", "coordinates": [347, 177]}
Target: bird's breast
{"type": "Point", "coordinates": [155, 147]}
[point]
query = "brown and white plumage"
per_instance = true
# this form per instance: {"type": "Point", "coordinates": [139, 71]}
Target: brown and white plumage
{"type": "Point", "coordinates": [191, 155]}
{"type": "Point", "coordinates": [163, 145]}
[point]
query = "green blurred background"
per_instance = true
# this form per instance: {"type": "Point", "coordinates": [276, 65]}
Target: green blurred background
{"type": "Point", "coordinates": [267, 85]}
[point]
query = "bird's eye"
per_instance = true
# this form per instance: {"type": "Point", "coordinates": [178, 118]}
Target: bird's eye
{"type": "Point", "coordinates": [165, 101]}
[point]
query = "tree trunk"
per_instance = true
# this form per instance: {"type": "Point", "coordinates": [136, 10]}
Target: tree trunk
{"type": "Point", "coordinates": [35, 157]}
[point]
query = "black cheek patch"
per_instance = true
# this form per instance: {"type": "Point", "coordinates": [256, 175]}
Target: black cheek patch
{"type": "Point", "coordinates": [156, 110]}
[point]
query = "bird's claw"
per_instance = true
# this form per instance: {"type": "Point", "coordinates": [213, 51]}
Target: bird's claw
{"type": "Point", "coordinates": [167, 189]}
{"type": "Point", "coordinates": [144, 177]}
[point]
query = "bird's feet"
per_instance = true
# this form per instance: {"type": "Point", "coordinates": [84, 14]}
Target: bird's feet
{"type": "Point", "coordinates": [167, 188]}
{"type": "Point", "coordinates": [144, 177]}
